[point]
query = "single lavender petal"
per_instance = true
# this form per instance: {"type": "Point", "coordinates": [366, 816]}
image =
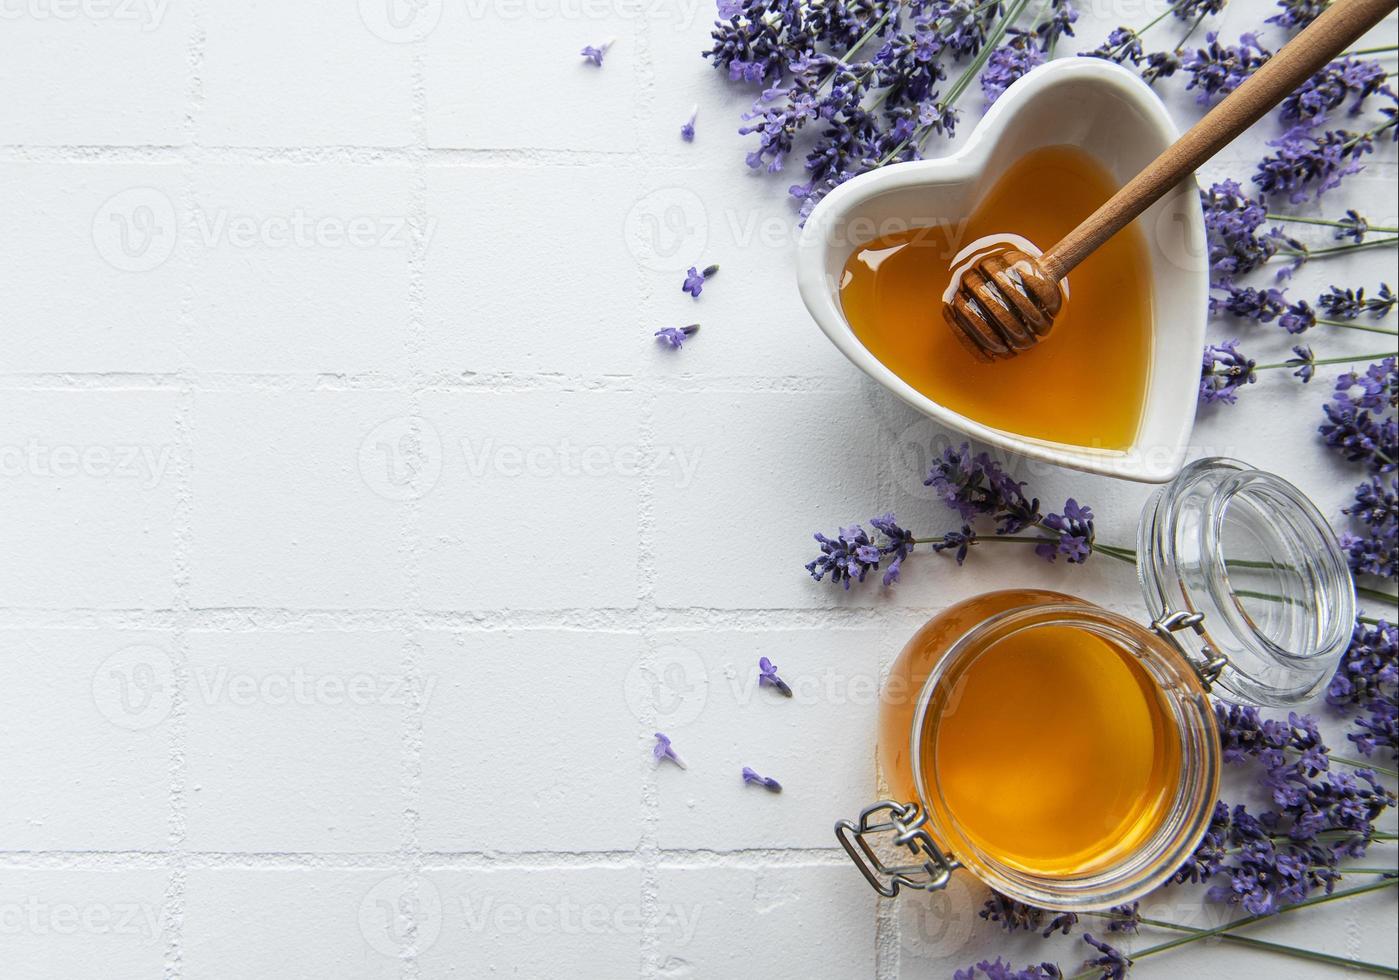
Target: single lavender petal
{"type": "Point", "coordinates": [767, 674]}
{"type": "Point", "coordinates": [767, 782]}
{"type": "Point", "coordinates": [595, 55]}
{"type": "Point", "coordinates": [663, 751]}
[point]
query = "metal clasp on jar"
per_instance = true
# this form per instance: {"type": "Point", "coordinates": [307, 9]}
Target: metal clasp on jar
{"type": "Point", "coordinates": [904, 822]}
{"type": "Point", "coordinates": [1209, 666]}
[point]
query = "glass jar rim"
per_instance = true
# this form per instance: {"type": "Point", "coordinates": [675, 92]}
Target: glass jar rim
{"type": "Point", "coordinates": [1184, 566]}
{"type": "Point", "coordinates": [1180, 831]}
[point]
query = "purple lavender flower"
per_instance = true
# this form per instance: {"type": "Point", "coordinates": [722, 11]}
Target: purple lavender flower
{"type": "Point", "coordinates": [1123, 45]}
{"type": "Point", "coordinates": [1348, 304]}
{"type": "Point", "coordinates": [1369, 669]}
{"type": "Point", "coordinates": [1360, 420]}
{"type": "Point", "coordinates": [848, 557]}
{"type": "Point", "coordinates": [767, 782]}
{"type": "Point", "coordinates": [1304, 361]}
{"type": "Point", "coordinates": [1075, 530]}
{"type": "Point", "coordinates": [767, 674]}
{"type": "Point", "coordinates": [1232, 223]}
{"type": "Point", "coordinates": [675, 337]}
{"type": "Point", "coordinates": [976, 486]}
{"type": "Point", "coordinates": [1006, 64]}
{"type": "Point", "coordinates": [687, 129]}
{"type": "Point", "coordinates": [1248, 303]}
{"type": "Point", "coordinates": [958, 542]}
{"type": "Point", "coordinates": [1129, 918]}
{"type": "Point", "coordinates": [1277, 857]}
{"type": "Point", "coordinates": [1348, 78]}
{"type": "Point", "coordinates": [694, 280]}
{"type": "Point", "coordinates": [595, 54]}
{"type": "Point", "coordinates": [1219, 69]}
{"type": "Point", "coordinates": [1113, 962]}
{"type": "Point", "coordinates": [1158, 65]}
{"type": "Point", "coordinates": [1297, 14]}
{"type": "Point", "coordinates": [1303, 161]}
{"type": "Point", "coordinates": [1211, 852]}
{"type": "Point", "coordinates": [1353, 226]}
{"type": "Point", "coordinates": [1375, 552]}
{"type": "Point", "coordinates": [997, 970]}
{"type": "Point", "coordinates": [1299, 318]}
{"type": "Point", "coordinates": [1224, 372]}
{"type": "Point", "coordinates": [898, 545]}
{"type": "Point", "coordinates": [1379, 729]}
{"type": "Point", "coordinates": [1013, 916]}
{"type": "Point", "coordinates": [853, 554]}
{"type": "Point", "coordinates": [663, 751]}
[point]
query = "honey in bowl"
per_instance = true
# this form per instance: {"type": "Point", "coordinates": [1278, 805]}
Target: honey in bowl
{"type": "Point", "coordinates": [1082, 385]}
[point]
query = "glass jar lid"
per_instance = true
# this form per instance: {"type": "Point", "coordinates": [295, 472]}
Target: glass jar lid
{"type": "Point", "coordinates": [1247, 561]}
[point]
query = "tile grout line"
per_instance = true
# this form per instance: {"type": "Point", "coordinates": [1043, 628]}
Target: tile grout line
{"type": "Point", "coordinates": [182, 546]}
{"type": "Point", "coordinates": [412, 546]}
{"type": "Point", "coordinates": [648, 844]}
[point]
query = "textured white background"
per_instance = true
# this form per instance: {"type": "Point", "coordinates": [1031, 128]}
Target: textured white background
{"type": "Point", "coordinates": [349, 566]}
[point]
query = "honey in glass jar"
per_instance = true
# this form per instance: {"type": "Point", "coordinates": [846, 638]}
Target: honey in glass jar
{"type": "Point", "coordinates": [1067, 755]}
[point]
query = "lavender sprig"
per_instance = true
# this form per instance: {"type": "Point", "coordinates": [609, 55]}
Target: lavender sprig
{"type": "Point", "coordinates": [975, 487]}
{"type": "Point", "coordinates": [1305, 162]}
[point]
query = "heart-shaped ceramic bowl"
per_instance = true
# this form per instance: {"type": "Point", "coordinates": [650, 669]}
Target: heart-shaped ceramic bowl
{"type": "Point", "coordinates": [1111, 114]}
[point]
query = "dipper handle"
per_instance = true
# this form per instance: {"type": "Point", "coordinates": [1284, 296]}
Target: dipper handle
{"type": "Point", "coordinates": [1338, 27]}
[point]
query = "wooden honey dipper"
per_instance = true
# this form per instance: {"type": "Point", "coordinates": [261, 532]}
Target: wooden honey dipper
{"type": "Point", "coordinates": [1006, 302]}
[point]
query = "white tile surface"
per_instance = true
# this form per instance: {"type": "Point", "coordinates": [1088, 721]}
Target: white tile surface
{"type": "Point", "coordinates": [529, 922]}
{"type": "Point", "coordinates": [86, 716]}
{"type": "Point", "coordinates": [290, 922]}
{"type": "Point", "coordinates": [527, 735]}
{"type": "Point", "coordinates": [293, 740]}
{"type": "Point", "coordinates": [84, 923]}
{"type": "Point", "coordinates": [348, 573]}
{"type": "Point", "coordinates": [278, 74]}
{"type": "Point", "coordinates": [90, 479]}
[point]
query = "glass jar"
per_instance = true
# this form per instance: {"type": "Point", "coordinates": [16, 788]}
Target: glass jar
{"type": "Point", "coordinates": [1067, 755]}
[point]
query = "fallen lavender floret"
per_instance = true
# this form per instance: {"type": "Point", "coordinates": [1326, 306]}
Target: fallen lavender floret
{"type": "Point", "coordinates": [766, 782]}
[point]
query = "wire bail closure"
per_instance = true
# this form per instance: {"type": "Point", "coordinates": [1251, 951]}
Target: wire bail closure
{"type": "Point", "coordinates": [1173, 621]}
{"type": "Point", "coordinates": [905, 823]}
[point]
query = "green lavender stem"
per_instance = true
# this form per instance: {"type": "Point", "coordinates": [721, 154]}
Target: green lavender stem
{"type": "Point", "coordinates": [1313, 253]}
{"type": "Point", "coordinates": [1258, 944]}
{"type": "Point", "coordinates": [1359, 326]}
{"type": "Point", "coordinates": [1326, 222]}
{"type": "Point", "coordinates": [1323, 361]}
{"type": "Point", "coordinates": [1248, 920]}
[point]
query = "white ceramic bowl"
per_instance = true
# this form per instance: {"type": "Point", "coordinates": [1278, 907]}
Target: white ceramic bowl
{"type": "Point", "coordinates": [1111, 114]}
